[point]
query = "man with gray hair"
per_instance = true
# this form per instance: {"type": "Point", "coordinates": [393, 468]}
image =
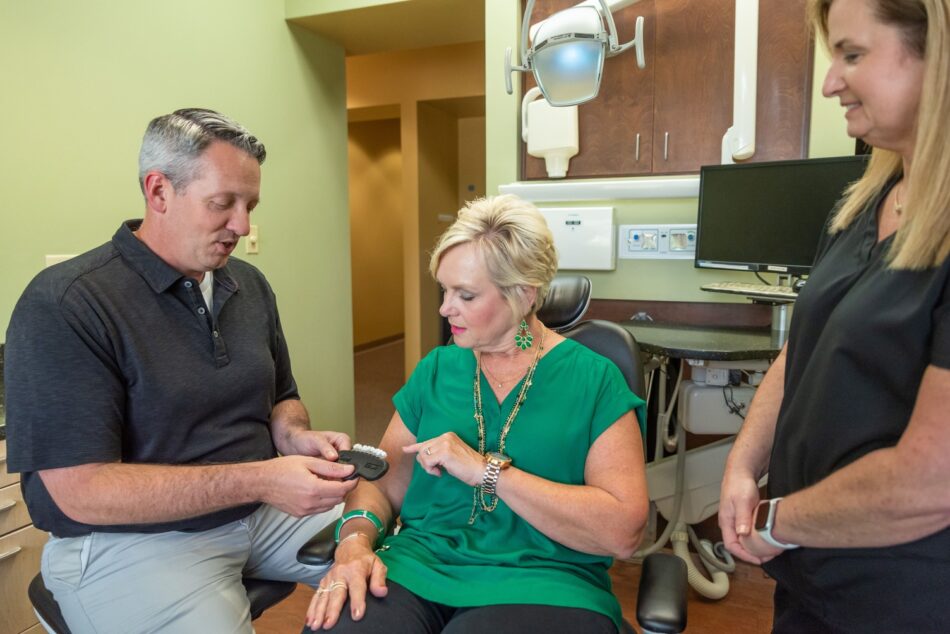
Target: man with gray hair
{"type": "Point", "coordinates": [152, 411]}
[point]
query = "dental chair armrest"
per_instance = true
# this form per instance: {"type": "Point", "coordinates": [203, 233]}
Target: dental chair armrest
{"type": "Point", "coordinates": [661, 600]}
{"type": "Point", "coordinates": [319, 550]}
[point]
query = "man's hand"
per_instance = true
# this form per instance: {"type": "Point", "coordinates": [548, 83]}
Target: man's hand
{"type": "Point", "coordinates": [303, 485]}
{"type": "Point", "coordinates": [290, 429]}
{"type": "Point", "coordinates": [319, 444]}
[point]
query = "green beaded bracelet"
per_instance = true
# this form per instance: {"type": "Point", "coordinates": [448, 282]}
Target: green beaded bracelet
{"type": "Point", "coordinates": [360, 513]}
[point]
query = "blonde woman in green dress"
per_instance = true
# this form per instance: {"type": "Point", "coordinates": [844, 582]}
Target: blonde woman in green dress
{"type": "Point", "coordinates": [516, 462]}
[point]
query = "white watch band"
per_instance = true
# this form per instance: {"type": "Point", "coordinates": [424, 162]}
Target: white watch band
{"type": "Point", "coordinates": [766, 533]}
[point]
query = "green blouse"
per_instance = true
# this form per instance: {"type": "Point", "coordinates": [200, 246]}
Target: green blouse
{"type": "Point", "coordinates": [575, 396]}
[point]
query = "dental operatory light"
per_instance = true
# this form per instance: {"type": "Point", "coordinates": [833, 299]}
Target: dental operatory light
{"type": "Point", "coordinates": [568, 50]}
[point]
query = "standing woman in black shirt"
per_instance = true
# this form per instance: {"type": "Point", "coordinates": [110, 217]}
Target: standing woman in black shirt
{"type": "Point", "coordinates": [852, 422]}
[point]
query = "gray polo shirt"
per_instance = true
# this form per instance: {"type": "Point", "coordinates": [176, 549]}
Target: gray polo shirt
{"type": "Point", "coordinates": [114, 356]}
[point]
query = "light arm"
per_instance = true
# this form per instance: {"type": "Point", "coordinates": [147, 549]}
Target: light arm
{"type": "Point", "coordinates": [604, 516]}
{"type": "Point", "coordinates": [887, 497]}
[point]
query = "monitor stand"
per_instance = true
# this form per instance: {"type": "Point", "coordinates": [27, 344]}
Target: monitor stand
{"type": "Point", "coordinates": [780, 315]}
{"type": "Point", "coordinates": [780, 323]}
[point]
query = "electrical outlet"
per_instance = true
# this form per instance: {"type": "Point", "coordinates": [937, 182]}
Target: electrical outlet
{"type": "Point", "coordinates": [657, 242]}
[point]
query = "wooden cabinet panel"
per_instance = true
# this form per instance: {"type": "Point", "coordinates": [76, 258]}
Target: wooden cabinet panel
{"type": "Point", "coordinates": [681, 103]}
{"type": "Point", "coordinates": [693, 82]}
{"type": "Point", "coordinates": [783, 103]}
{"type": "Point", "coordinates": [609, 125]}
{"type": "Point", "coordinates": [19, 562]}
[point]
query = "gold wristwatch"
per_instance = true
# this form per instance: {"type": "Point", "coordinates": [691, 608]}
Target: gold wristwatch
{"type": "Point", "coordinates": [494, 464]}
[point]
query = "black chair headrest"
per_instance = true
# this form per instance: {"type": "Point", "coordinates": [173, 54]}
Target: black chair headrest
{"type": "Point", "coordinates": [566, 303]}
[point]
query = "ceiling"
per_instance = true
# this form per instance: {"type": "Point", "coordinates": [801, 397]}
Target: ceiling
{"type": "Point", "coordinates": [400, 25]}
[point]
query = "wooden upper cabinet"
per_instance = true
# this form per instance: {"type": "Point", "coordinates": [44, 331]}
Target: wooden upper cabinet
{"type": "Point", "coordinates": [680, 105]}
{"type": "Point", "coordinates": [693, 85]}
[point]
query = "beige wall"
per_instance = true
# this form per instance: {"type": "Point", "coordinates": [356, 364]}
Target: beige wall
{"type": "Point", "coordinates": [376, 228]}
{"type": "Point", "coordinates": [438, 194]}
{"type": "Point", "coordinates": [423, 83]}
{"type": "Point", "coordinates": [471, 159]}
{"type": "Point", "coordinates": [79, 81]}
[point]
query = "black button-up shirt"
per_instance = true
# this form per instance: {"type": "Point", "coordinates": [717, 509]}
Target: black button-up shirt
{"type": "Point", "coordinates": [113, 356]}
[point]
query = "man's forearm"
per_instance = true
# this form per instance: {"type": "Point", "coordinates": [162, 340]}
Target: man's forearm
{"type": "Point", "coordinates": [289, 417]}
{"type": "Point", "coordinates": [118, 493]}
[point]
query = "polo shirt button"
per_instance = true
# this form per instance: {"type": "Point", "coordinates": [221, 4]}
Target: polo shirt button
{"type": "Point", "coordinates": [187, 283]}
{"type": "Point", "coordinates": [201, 311]}
{"type": "Point", "coordinates": [215, 333]}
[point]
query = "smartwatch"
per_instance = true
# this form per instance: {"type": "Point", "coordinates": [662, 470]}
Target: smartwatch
{"type": "Point", "coordinates": [765, 523]}
{"type": "Point", "coordinates": [495, 463]}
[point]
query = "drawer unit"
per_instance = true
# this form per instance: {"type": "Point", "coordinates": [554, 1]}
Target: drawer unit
{"type": "Point", "coordinates": [19, 562]}
{"type": "Point", "coordinates": [13, 513]}
{"type": "Point", "coordinates": [21, 546]}
{"type": "Point", "coordinates": [6, 478]}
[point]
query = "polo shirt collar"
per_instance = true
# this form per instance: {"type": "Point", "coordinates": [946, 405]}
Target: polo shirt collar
{"type": "Point", "coordinates": [153, 269]}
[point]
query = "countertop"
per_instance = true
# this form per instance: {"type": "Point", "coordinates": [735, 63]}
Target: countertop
{"type": "Point", "coordinates": [720, 344]}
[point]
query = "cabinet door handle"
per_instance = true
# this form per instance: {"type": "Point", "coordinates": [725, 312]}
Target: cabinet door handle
{"type": "Point", "coordinates": [638, 147]}
{"type": "Point", "coordinates": [6, 505]}
{"type": "Point", "coordinates": [10, 553]}
{"type": "Point", "coordinates": [666, 146]}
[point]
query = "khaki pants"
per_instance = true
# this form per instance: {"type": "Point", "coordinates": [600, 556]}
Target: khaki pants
{"type": "Point", "coordinates": [176, 582]}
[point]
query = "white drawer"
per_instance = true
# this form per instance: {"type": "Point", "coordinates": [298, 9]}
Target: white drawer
{"type": "Point", "coordinates": [19, 562]}
{"type": "Point", "coordinates": [13, 513]}
{"type": "Point", "coordinates": [6, 478]}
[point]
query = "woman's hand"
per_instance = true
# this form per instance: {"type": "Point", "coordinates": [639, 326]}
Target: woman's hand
{"type": "Point", "coordinates": [737, 501]}
{"type": "Point", "coordinates": [449, 452]}
{"type": "Point", "coordinates": [356, 566]}
{"type": "Point", "coordinates": [758, 547]}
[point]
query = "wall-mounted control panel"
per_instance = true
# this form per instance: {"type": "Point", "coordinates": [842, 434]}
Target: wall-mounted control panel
{"type": "Point", "coordinates": [584, 237]}
{"type": "Point", "coordinates": [657, 242]}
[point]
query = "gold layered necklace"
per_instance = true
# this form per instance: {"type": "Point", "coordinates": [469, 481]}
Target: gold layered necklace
{"type": "Point", "coordinates": [499, 382]}
{"type": "Point", "coordinates": [488, 502]}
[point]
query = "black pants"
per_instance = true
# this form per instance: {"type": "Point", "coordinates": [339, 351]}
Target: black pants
{"type": "Point", "coordinates": [402, 612]}
{"type": "Point", "coordinates": [791, 616]}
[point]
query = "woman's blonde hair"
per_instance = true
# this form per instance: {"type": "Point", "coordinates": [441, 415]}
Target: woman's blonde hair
{"type": "Point", "coordinates": [923, 240]}
{"type": "Point", "coordinates": [515, 242]}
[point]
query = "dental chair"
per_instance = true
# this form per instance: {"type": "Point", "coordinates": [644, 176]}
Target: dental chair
{"type": "Point", "coordinates": [661, 599]}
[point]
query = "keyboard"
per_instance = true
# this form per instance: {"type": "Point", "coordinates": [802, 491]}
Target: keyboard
{"type": "Point", "coordinates": [786, 293]}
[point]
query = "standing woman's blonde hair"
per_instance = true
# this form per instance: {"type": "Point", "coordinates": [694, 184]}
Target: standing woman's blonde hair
{"type": "Point", "coordinates": [924, 237]}
{"type": "Point", "coordinates": [515, 242]}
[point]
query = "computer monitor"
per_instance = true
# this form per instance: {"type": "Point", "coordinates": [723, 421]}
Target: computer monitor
{"type": "Point", "coordinates": [769, 216]}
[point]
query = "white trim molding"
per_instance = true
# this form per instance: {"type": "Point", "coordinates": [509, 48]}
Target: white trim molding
{"type": "Point", "coordinates": [606, 189]}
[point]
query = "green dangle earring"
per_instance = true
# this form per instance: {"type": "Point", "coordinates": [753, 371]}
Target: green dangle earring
{"type": "Point", "coordinates": [523, 338]}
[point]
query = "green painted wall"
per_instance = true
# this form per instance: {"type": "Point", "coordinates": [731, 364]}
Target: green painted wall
{"type": "Point", "coordinates": [634, 279]}
{"type": "Point", "coordinates": [80, 81]}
